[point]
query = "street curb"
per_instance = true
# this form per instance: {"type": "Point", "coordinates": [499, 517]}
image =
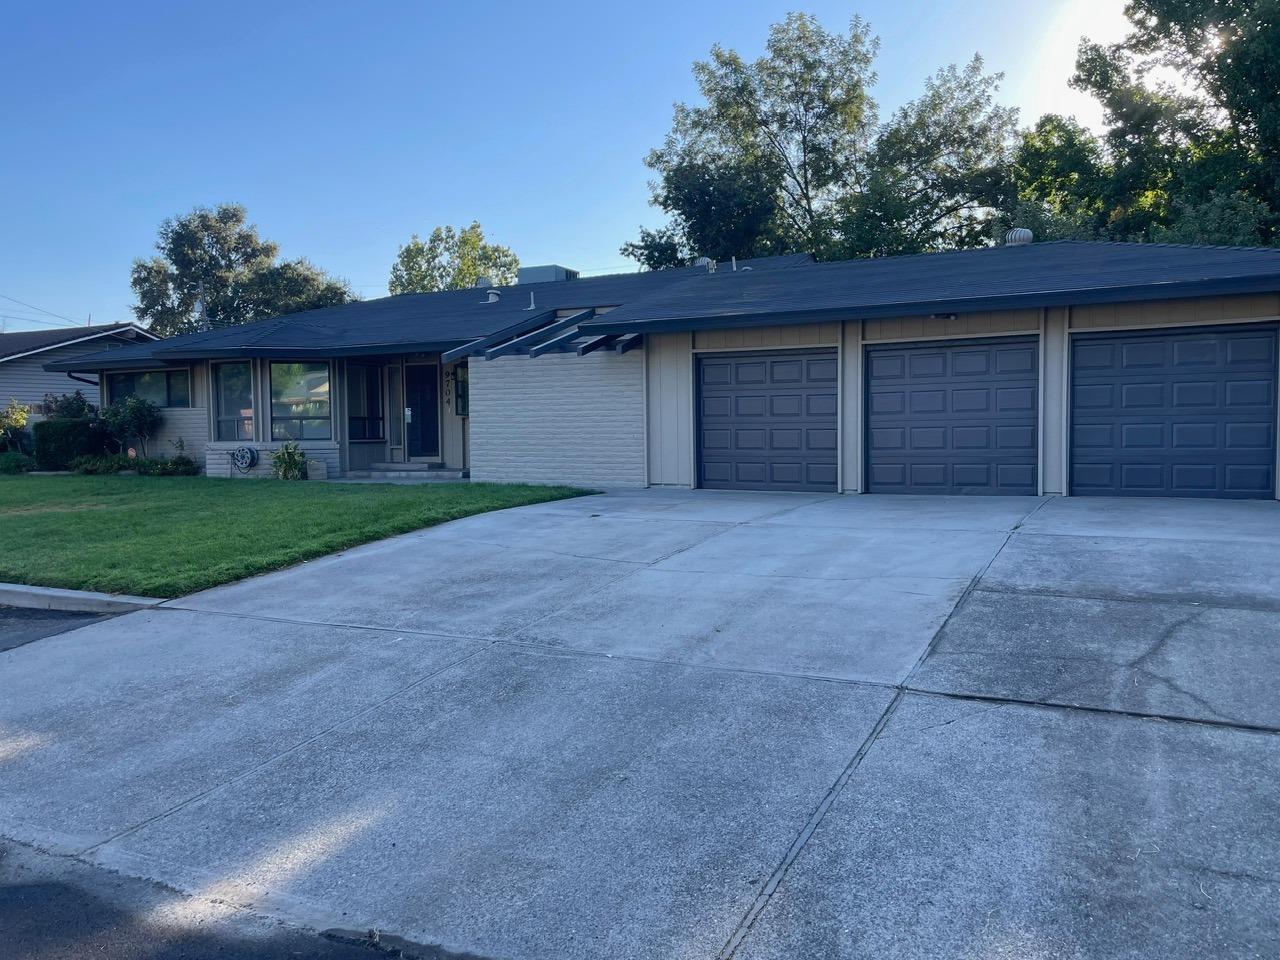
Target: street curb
{"type": "Point", "coordinates": [84, 601]}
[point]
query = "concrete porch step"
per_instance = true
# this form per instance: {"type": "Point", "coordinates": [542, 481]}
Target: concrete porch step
{"type": "Point", "coordinates": [408, 467]}
{"type": "Point", "coordinates": [395, 472]}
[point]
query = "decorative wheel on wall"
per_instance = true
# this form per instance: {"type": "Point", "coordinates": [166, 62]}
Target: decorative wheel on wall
{"type": "Point", "coordinates": [244, 459]}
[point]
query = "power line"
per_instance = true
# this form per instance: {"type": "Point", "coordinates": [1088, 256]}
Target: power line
{"type": "Point", "coordinates": [32, 306]}
{"type": "Point", "coordinates": [52, 323]}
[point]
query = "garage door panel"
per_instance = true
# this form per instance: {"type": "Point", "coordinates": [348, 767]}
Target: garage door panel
{"type": "Point", "coordinates": [789, 405]}
{"type": "Point", "coordinates": [1256, 479]}
{"type": "Point", "coordinates": [769, 421]}
{"type": "Point", "coordinates": [822, 371]}
{"type": "Point", "coordinates": [821, 404]}
{"type": "Point", "coordinates": [969, 421]}
{"type": "Point", "coordinates": [1016, 360]}
{"type": "Point", "coordinates": [1181, 413]}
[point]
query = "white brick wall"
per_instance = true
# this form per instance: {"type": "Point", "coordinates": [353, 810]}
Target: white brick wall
{"type": "Point", "coordinates": [559, 418]}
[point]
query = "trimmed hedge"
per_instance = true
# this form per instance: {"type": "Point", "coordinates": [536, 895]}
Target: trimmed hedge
{"type": "Point", "coordinates": [58, 442]}
{"type": "Point", "coordinates": [13, 462]}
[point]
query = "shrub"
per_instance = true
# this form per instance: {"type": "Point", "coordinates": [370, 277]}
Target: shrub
{"type": "Point", "coordinates": [133, 418]}
{"type": "Point", "coordinates": [13, 418]}
{"type": "Point", "coordinates": [179, 466]}
{"type": "Point", "coordinates": [108, 463]}
{"type": "Point", "coordinates": [69, 406]}
{"type": "Point", "coordinates": [58, 442]}
{"type": "Point", "coordinates": [14, 462]}
{"type": "Point", "coordinates": [288, 462]}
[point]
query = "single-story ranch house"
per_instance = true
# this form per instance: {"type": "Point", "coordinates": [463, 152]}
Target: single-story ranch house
{"type": "Point", "coordinates": [1066, 367]}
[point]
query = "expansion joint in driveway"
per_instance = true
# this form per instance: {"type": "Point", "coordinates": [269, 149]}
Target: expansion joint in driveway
{"type": "Point", "coordinates": [766, 893]}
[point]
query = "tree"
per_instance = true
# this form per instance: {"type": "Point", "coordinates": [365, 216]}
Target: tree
{"type": "Point", "coordinates": [215, 256]}
{"type": "Point", "coordinates": [1058, 177]}
{"type": "Point", "coordinates": [132, 417]}
{"type": "Point", "coordinates": [659, 248]}
{"type": "Point", "coordinates": [13, 420]}
{"type": "Point", "coordinates": [759, 167]}
{"type": "Point", "coordinates": [1230, 219]}
{"type": "Point", "coordinates": [1199, 162]}
{"type": "Point", "coordinates": [937, 171]}
{"type": "Point", "coordinates": [451, 260]}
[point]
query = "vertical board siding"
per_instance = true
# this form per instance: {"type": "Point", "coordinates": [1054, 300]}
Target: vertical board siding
{"type": "Point", "coordinates": [559, 418]}
{"type": "Point", "coordinates": [809, 335]}
{"type": "Point", "coordinates": [964, 325]}
{"type": "Point", "coordinates": [670, 409]}
{"type": "Point", "coordinates": [452, 427]}
{"type": "Point", "coordinates": [1161, 313]}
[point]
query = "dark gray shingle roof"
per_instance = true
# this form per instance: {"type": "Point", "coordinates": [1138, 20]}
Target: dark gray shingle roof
{"type": "Point", "coordinates": [32, 341]}
{"type": "Point", "coordinates": [1040, 274]}
{"type": "Point", "coordinates": [410, 322]}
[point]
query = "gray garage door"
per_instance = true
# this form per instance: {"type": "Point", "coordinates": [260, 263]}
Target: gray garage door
{"type": "Point", "coordinates": [1190, 413]}
{"type": "Point", "coordinates": [768, 421]}
{"type": "Point", "coordinates": [953, 417]}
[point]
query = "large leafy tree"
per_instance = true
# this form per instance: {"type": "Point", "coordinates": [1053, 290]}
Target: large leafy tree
{"type": "Point", "coordinates": [215, 259]}
{"type": "Point", "coordinates": [1196, 162]}
{"type": "Point", "coordinates": [760, 165]}
{"type": "Point", "coordinates": [786, 154]}
{"type": "Point", "coordinates": [451, 260]}
{"type": "Point", "coordinates": [936, 172]}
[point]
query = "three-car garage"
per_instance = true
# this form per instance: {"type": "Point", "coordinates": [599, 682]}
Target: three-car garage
{"type": "Point", "coordinates": [1185, 411]}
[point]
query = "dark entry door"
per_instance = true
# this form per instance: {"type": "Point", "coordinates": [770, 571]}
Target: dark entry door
{"type": "Point", "coordinates": [768, 421]}
{"type": "Point", "coordinates": [422, 409]}
{"type": "Point", "coordinates": [1174, 413]}
{"type": "Point", "coordinates": [953, 417]}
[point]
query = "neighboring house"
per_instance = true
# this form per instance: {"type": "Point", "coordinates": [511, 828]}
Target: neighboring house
{"type": "Point", "coordinates": [1065, 367]}
{"type": "Point", "coordinates": [24, 353]}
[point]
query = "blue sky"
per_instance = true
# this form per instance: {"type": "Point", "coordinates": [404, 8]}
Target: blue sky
{"type": "Point", "coordinates": [346, 127]}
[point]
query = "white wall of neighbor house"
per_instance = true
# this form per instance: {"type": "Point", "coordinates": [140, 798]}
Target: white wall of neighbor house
{"type": "Point", "coordinates": [559, 418]}
{"type": "Point", "coordinates": [671, 440]}
{"type": "Point", "coordinates": [26, 380]}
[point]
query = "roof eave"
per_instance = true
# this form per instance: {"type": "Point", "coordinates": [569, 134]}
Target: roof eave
{"type": "Point", "coordinates": [1053, 298]}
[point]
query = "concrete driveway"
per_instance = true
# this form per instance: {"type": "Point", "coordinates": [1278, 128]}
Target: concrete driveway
{"type": "Point", "coordinates": [685, 725]}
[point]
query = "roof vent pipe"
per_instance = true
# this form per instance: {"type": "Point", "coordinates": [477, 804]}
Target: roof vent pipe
{"type": "Point", "coordinates": [1018, 237]}
{"type": "Point", "coordinates": [492, 295]}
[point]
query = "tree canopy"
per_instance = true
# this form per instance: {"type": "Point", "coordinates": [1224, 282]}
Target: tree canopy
{"type": "Point", "coordinates": [216, 257]}
{"type": "Point", "coordinates": [786, 153]}
{"type": "Point", "coordinates": [451, 260]}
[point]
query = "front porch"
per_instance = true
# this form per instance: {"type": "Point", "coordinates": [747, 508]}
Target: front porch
{"type": "Point", "coordinates": [400, 417]}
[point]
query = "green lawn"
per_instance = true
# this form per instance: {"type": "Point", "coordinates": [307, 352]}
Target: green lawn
{"type": "Point", "coordinates": [167, 536]}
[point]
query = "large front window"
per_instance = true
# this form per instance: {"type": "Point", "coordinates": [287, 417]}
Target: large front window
{"type": "Point", "coordinates": [300, 401]}
{"type": "Point", "coordinates": [364, 402]}
{"type": "Point", "coordinates": [233, 396]}
{"type": "Point", "coordinates": [164, 388]}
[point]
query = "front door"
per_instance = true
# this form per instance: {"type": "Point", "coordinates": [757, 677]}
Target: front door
{"type": "Point", "coordinates": [422, 409]}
